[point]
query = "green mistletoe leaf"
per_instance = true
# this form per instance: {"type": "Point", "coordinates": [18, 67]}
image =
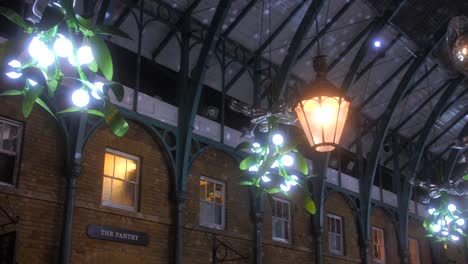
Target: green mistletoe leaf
{"type": "Point", "coordinates": [114, 119]}
{"type": "Point", "coordinates": [309, 205]}
{"type": "Point", "coordinates": [103, 57]}
{"type": "Point", "coordinates": [52, 16]}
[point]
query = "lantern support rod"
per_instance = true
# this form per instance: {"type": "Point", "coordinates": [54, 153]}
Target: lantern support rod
{"type": "Point", "coordinates": [187, 13]}
{"type": "Point", "coordinates": [381, 54]}
{"type": "Point", "coordinates": [294, 47]}
{"type": "Point", "coordinates": [324, 30]}
{"type": "Point", "coordinates": [264, 45]}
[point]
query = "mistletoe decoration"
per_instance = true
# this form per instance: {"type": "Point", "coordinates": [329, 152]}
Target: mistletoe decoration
{"type": "Point", "coordinates": [63, 48]}
{"type": "Point", "coordinates": [446, 223]}
{"type": "Point", "coordinates": [275, 165]}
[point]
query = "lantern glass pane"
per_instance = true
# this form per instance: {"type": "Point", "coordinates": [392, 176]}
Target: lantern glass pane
{"type": "Point", "coordinates": [328, 112]}
{"type": "Point", "coordinates": [323, 119]}
{"type": "Point", "coordinates": [342, 115]}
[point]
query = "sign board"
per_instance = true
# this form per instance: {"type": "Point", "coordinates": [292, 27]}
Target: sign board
{"type": "Point", "coordinates": [117, 235]}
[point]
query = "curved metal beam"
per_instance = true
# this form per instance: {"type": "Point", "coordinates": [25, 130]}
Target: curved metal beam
{"type": "Point", "coordinates": [294, 47]}
{"type": "Point", "coordinates": [381, 54]}
{"type": "Point", "coordinates": [239, 18]}
{"type": "Point", "coordinates": [173, 31]}
{"type": "Point", "coordinates": [385, 83]}
{"type": "Point", "coordinates": [405, 195]}
{"type": "Point", "coordinates": [324, 30]}
{"type": "Point", "coordinates": [264, 45]}
{"type": "Point", "coordinates": [367, 179]}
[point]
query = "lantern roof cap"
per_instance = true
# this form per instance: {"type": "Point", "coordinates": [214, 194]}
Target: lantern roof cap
{"type": "Point", "coordinates": [321, 86]}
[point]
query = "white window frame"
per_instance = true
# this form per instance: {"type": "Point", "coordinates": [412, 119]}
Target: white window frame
{"type": "Point", "coordinates": [340, 219]}
{"type": "Point", "coordinates": [280, 239]}
{"type": "Point", "coordinates": [383, 245]}
{"type": "Point", "coordinates": [223, 206]}
{"type": "Point", "coordinates": [137, 181]}
{"type": "Point", "coordinates": [417, 249]}
{"type": "Point", "coordinates": [17, 155]}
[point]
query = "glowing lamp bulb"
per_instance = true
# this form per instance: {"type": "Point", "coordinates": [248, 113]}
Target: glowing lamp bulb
{"type": "Point", "coordinates": [14, 64]}
{"type": "Point", "coordinates": [377, 44]}
{"type": "Point", "coordinates": [266, 178]}
{"type": "Point", "coordinates": [253, 168]}
{"type": "Point", "coordinates": [431, 211]}
{"type": "Point", "coordinates": [294, 180]}
{"type": "Point", "coordinates": [285, 187]}
{"type": "Point", "coordinates": [39, 51]}
{"type": "Point", "coordinates": [454, 238]}
{"type": "Point", "coordinates": [460, 222]}
{"type": "Point", "coordinates": [256, 147]}
{"type": "Point", "coordinates": [277, 139]}
{"type": "Point", "coordinates": [451, 208]}
{"type": "Point", "coordinates": [275, 164]}
{"type": "Point", "coordinates": [465, 51]}
{"type": "Point", "coordinates": [62, 46]}
{"type": "Point", "coordinates": [287, 160]}
{"type": "Point", "coordinates": [13, 75]}
{"type": "Point", "coordinates": [80, 98]}
{"type": "Point", "coordinates": [445, 233]}
{"type": "Point", "coordinates": [436, 228]}
{"type": "Point", "coordinates": [97, 90]}
{"type": "Point", "coordinates": [85, 55]}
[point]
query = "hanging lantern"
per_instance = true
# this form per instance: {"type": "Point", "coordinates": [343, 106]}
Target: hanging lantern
{"type": "Point", "coordinates": [322, 110]}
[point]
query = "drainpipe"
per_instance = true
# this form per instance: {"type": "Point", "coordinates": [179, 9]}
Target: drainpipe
{"type": "Point", "coordinates": [365, 251]}
{"type": "Point", "coordinates": [69, 205]}
{"type": "Point", "coordinates": [75, 140]}
{"type": "Point", "coordinates": [180, 202]}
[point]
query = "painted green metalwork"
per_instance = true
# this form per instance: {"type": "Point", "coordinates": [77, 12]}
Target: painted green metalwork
{"type": "Point", "coordinates": [405, 195]}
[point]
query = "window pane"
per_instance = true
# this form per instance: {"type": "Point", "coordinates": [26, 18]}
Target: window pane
{"type": "Point", "coordinates": [7, 168]}
{"type": "Point", "coordinates": [106, 189]}
{"type": "Point", "coordinates": [129, 194]}
{"type": "Point", "coordinates": [338, 226]}
{"type": "Point", "coordinates": [286, 229]}
{"type": "Point", "coordinates": [209, 191]}
{"type": "Point", "coordinates": [131, 170]}
{"type": "Point", "coordinates": [218, 214]}
{"type": "Point", "coordinates": [277, 228]}
{"type": "Point", "coordinates": [120, 167]}
{"type": "Point", "coordinates": [202, 189]}
{"type": "Point", "coordinates": [206, 213]}
{"type": "Point", "coordinates": [286, 211]}
{"type": "Point", "coordinates": [117, 191]}
{"type": "Point", "coordinates": [278, 209]}
{"type": "Point", "coordinates": [219, 198]}
{"type": "Point", "coordinates": [109, 164]}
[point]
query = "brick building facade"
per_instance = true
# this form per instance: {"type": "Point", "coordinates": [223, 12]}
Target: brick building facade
{"type": "Point", "coordinates": [36, 200]}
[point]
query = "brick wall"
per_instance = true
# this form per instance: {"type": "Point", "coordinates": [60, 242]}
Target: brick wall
{"type": "Point", "coordinates": [38, 201]}
{"type": "Point", "coordinates": [380, 218]}
{"type": "Point", "coordinates": [338, 205]}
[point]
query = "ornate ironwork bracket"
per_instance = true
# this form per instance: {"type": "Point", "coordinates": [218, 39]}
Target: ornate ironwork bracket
{"type": "Point", "coordinates": [220, 247]}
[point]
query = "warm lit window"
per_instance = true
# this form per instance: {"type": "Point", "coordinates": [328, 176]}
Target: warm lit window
{"type": "Point", "coordinates": [120, 184]}
{"type": "Point", "coordinates": [280, 220]}
{"type": "Point", "coordinates": [10, 142]}
{"type": "Point", "coordinates": [413, 251]}
{"type": "Point", "coordinates": [211, 203]}
{"type": "Point", "coordinates": [335, 234]}
{"type": "Point", "coordinates": [378, 248]}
